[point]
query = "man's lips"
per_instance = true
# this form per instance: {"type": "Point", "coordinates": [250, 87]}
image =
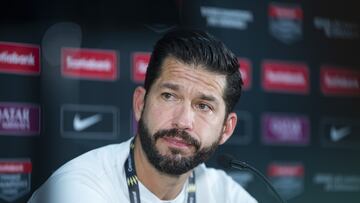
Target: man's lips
{"type": "Point", "coordinates": [177, 142]}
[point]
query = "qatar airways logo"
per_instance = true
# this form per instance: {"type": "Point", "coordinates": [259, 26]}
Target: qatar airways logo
{"type": "Point", "coordinates": [281, 129]}
{"type": "Point", "coordinates": [89, 63]}
{"type": "Point", "coordinates": [19, 58]}
{"type": "Point", "coordinates": [19, 119]}
{"type": "Point", "coordinates": [140, 62]}
{"type": "Point", "coordinates": [339, 81]}
{"type": "Point", "coordinates": [285, 77]}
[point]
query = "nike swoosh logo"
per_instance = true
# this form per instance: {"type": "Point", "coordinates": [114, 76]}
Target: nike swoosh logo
{"type": "Point", "coordinates": [338, 134]}
{"type": "Point", "coordinates": [81, 124]}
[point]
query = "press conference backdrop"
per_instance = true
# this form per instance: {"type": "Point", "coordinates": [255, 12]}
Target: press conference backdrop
{"type": "Point", "coordinates": [68, 70]}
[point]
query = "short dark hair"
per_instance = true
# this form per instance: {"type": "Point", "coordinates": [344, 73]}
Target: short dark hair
{"type": "Point", "coordinates": [196, 47]}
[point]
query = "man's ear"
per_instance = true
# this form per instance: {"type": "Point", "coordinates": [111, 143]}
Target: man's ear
{"type": "Point", "coordinates": [229, 127]}
{"type": "Point", "coordinates": [138, 102]}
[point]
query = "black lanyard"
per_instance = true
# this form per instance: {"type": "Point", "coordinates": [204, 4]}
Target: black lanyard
{"type": "Point", "coordinates": [132, 180]}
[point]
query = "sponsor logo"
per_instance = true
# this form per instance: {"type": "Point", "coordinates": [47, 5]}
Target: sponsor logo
{"type": "Point", "coordinates": [89, 63]}
{"type": "Point", "coordinates": [19, 119]}
{"type": "Point", "coordinates": [281, 129]}
{"type": "Point", "coordinates": [285, 22]}
{"type": "Point", "coordinates": [15, 177]}
{"type": "Point", "coordinates": [19, 58]}
{"type": "Point", "coordinates": [227, 18]}
{"type": "Point", "coordinates": [340, 132]}
{"type": "Point", "coordinates": [339, 81]}
{"type": "Point", "coordinates": [285, 77]}
{"type": "Point", "coordinates": [140, 63]}
{"type": "Point", "coordinates": [287, 178]}
{"type": "Point", "coordinates": [89, 122]}
{"type": "Point", "coordinates": [242, 177]}
{"type": "Point", "coordinates": [338, 182]}
{"type": "Point", "coordinates": [243, 131]}
{"type": "Point", "coordinates": [245, 70]}
{"type": "Point", "coordinates": [81, 124]}
{"type": "Point", "coordinates": [337, 29]}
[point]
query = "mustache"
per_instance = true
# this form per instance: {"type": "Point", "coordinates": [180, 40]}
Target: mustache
{"type": "Point", "coordinates": [182, 134]}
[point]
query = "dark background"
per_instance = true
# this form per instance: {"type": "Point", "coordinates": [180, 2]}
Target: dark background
{"type": "Point", "coordinates": [134, 26]}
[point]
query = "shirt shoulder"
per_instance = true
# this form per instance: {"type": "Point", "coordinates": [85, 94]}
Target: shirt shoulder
{"type": "Point", "coordinates": [98, 173]}
{"type": "Point", "coordinates": [220, 186]}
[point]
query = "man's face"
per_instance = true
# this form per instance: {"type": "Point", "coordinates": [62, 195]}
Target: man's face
{"type": "Point", "coordinates": [183, 118]}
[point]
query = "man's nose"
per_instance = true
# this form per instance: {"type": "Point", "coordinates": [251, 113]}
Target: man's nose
{"type": "Point", "coordinates": [183, 117]}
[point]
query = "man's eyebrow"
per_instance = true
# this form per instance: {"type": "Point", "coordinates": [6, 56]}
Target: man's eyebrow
{"type": "Point", "coordinates": [202, 96]}
{"type": "Point", "coordinates": [171, 86]}
{"type": "Point", "coordinates": [208, 98]}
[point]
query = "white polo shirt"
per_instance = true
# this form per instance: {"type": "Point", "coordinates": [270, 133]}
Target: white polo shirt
{"type": "Point", "coordinates": [98, 176]}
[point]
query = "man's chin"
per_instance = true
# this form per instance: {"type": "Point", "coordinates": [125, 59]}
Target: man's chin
{"type": "Point", "coordinates": [175, 154]}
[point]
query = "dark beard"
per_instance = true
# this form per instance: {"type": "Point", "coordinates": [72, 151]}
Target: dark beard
{"type": "Point", "coordinates": [173, 164]}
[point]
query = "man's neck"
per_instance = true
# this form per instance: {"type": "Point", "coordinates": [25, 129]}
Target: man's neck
{"type": "Point", "coordinates": [165, 187]}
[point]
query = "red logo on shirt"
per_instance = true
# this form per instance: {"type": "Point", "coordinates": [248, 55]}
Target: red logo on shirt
{"type": "Point", "coordinates": [285, 77]}
{"type": "Point", "coordinates": [245, 70]}
{"type": "Point", "coordinates": [19, 58]}
{"type": "Point", "coordinates": [339, 81]}
{"type": "Point", "coordinates": [89, 63]}
{"type": "Point", "coordinates": [140, 61]}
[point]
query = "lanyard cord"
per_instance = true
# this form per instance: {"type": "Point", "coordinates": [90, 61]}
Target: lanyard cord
{"type": "Point", "coordinates": [133, 185]}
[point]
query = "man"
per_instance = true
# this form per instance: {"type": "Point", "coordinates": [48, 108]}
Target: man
{"type": "Point", "coordinates": [184, 112]}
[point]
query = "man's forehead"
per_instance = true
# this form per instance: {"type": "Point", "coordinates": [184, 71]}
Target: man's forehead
{"type": "Point", "coordinates": [179, 76]}
{"type": "Point", "coordinates": [176, 69]}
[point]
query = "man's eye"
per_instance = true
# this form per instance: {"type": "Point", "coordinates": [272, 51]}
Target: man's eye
{"type": "Point", "coordinates": [167, 96]}
{"type": "Point", "coordinates": [204, 107]}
